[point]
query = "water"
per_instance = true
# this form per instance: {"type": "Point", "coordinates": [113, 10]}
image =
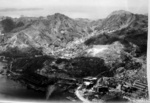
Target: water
{"type": "Point", "coordinates": [11, 90]}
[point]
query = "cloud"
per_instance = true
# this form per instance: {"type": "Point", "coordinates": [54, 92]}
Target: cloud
{"type": "Point", "coordinates": [22, 9]}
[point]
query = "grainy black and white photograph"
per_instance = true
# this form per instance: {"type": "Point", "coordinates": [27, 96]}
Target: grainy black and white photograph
{"type": "Point", "coordinates": [73, 51]}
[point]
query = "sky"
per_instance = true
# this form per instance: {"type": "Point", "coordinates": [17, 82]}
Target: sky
{"type": "Point", "coordinates": [92, 9]}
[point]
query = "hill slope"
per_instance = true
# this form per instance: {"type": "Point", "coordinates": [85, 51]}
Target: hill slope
{"type": "Point", "coordinates": [44, 32]}
{"type": "Point", "coordinates": [116, 20]}
{"type": "Point", "coordinates": [54, 32]}
{"type": "Point", "coordinates": [130, 31]}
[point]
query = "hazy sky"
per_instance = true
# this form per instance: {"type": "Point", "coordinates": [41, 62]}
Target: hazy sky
{"type": "Point", "coordinates": [92, 9]}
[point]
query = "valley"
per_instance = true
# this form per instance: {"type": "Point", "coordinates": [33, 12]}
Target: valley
{"type": "Point", "coordinates": [58, 51]}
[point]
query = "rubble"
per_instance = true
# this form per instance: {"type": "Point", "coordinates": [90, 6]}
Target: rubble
{"type": "Point", "coordinates": [108, 89]}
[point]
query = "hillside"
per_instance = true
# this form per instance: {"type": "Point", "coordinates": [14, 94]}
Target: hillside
{"type": "Point", "coordinates": [128, 35]}
{"type": "Point", "coordinates": [60, 52]}
{"type": "Point", "coordinates": [116, 20]}
{"type": "Point", "coordinates": [43, 32]}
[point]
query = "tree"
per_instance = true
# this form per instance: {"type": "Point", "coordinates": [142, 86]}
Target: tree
{"type": "Point", "coordinates": [19, 24]}
{"type": "Point", "coordinates": [8, 24]}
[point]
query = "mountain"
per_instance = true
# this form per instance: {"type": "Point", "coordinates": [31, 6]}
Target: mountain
{"type": "Point", "coordinates": [96, 23]}
{"type": "Point", "coordinates": [127, 28]}
{"type": "Point", "coordinates": [116, 20]}
{"type": "Point", "coordinates": [66, 50]}
{"type": "Point", "coordinates": [43, 32]}
{"type": "Point", "coordinates": [54, 32]}
{"type": "Point", "coordinates": [123, 46]}
{"type": "Point", "coordinates": [83, 22]}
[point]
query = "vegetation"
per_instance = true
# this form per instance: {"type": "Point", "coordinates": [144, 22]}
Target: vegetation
{"type": "Point", "coordinates": [123, 58]}
{"type": "Point", "coordinates": [8, 24]}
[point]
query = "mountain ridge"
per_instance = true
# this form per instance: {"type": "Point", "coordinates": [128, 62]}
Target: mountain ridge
{"type": "Point", "coordinates": [56, 31]}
